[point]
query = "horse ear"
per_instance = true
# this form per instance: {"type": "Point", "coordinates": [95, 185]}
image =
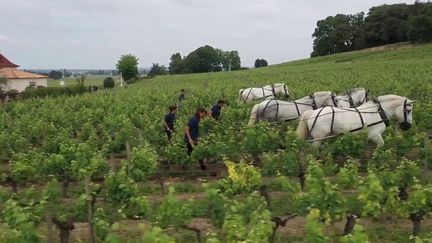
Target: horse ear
{"type": "Point", "coordinates": [412, 101]}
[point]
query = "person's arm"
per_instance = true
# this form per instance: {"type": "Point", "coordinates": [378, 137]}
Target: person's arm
{"type": "Point", "coordinates": [166, 125]}
{"type": "Point", "coordinates": [187, 132]}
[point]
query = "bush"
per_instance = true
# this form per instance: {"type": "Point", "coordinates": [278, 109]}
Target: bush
{"type": "Point", "coordinates": [108, 83]}
{"type": "Point", "coordinates": [52, 91]}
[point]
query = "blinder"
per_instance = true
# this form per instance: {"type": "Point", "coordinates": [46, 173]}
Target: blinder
{"type": "Point", "coordinates": [405, 125]}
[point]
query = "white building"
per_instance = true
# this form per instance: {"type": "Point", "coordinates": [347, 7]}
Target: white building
{"type": "Point", "coordinates": [19, 79]}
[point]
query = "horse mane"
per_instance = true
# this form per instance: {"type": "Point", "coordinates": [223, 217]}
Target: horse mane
{"type": "Point", "coordinates": [353, 90]}
{"type": "Point", "coordinates": [321, 94]}
{"type": "Point", "coordinates": [390, 97]}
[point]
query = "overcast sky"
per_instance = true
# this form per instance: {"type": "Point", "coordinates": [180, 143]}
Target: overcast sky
{"type": "Point", "coordinates": [95, 33]}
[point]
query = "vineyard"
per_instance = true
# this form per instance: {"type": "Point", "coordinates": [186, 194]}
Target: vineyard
{"type": "Point", "coordinates": [99, 168]}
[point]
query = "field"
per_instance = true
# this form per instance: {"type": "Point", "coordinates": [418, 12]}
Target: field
{"type": "Point", "coordinates": [96, 80]}
{"type": "Point", "coordinates": [104, 158]}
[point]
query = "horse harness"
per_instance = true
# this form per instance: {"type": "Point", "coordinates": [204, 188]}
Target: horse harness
{"type": "Point", "coordinates": [314, 104]}
{"type": "Point", "coordinates": [382, 113]}
{"type": "Point", "coordinates": [265, 107]}
{"type": "Point", "coordinates": [351, 101]}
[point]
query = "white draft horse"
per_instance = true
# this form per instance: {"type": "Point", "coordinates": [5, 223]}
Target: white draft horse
{"type": "Point", "coordinates": [279, 110]}
{"type": "Point", "coordinates": [375, 115]}
{"type": "Point", "coordinates": [353, 98]}
{"type": "Point", "coordinates": [267, 92]}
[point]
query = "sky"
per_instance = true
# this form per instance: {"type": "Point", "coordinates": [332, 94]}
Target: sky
{"type": "Point", "coordinates": [93, 34]}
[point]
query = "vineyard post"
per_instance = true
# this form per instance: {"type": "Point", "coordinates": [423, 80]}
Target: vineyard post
{"type": "Point", "coordinates": [89, 208]}
{"type": "Point", "coordinates": [426, 149]}
{"type": "Point", "coordinates": [128, 156]}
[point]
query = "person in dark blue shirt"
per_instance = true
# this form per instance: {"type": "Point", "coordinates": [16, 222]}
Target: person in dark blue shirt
{"type": "Point", "coordinates": [182, 95]}
{"type": "Point", "coordinates": [192, 132]}
{"type": "Point", "coordinates": [216, 109]}
{"type": "Point", "coordinates": [169, 121]}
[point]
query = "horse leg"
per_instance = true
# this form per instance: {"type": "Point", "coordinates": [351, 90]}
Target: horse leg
{"type": "Point", "coordinates": [316, 143]}
{"type": "Point", "coordinates": [377, 139]}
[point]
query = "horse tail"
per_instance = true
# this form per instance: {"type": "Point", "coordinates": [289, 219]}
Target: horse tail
{"type": "Point", "coordinates": [240, 95]}
{"type": "Point", "coordinates": [303, 129]}
{"type": "Point", "coordinates": [254, 115]}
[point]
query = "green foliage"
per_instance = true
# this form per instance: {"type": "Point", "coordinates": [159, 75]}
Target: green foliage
{"type": "Point", "coordinates": [204, 59]}
{"type": "Point", "coordinates": [420, 28]}
{"type": "Point", "coordinates": [108, 83]}
{"type": "Point", "coordinates": [338, 33]}
{"type": "Point", "coordinates": [314, 231]}
{"type": "Point", "coordinates": [231, 61]}
{"type": "Point", "coordinates": [260, 63]}
{"type": "Point", "coordinates": [321, 194]}
{"type": "Point", "coordinates": [216, 206]}
{"type": "Point", "coordinates": [128, 66]}
{"type": "Point", "coordinates": [350, 144]}
{"type": "Point", "coordinates": [357, 236]}
{"type": "Point", "coordinates": [371, 196]}
{"type": "Point", "coordinates": [385, 24]}
{"type": "Point", "coordinates": [43, 92]}
{"type": "Point", "coordinates": [242, 178]}
{"type": "Point", "coordinates": [156, 235]}
{"type": "Point", "coordinates": [419, 200]}
{"type": "Point", "coordinates": [143, 162]}
{"type": "Point", "coordinates": [170, 212]}
{"type": "Point", "coordinates": [120, 188]}
{"type": "Point", "coordinates": [260, 138]}
{"type": "Point", "coordinates": [176, 66]}
{"type": "Point", "coordinates": [348, 175]}
{"type": "Point", "coordinates": [19, 222]}
{"type": "Point", "coordinates": [101, 224]}
{"type": "Point", "coordinates": [24, 165]}
{"type": "Point", "coordinates": [248, 221]}
{"type": "Point", "coordinates": [87, 162]}
{"type": "Point", "coordinates": [157, 69]}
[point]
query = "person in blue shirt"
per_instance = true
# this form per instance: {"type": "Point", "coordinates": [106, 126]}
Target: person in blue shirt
{"type": "Point", "coordinates": [216, 109]}
{"type": "Point", "coordinates": [170, 119]}
{"type": "Point", "coordinates": [182, 95]}
{"type": "Point", "coordinates": [192, 132]}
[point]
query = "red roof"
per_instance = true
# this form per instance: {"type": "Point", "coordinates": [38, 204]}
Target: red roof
{"type": "Point", "coordinates": [4, 62]}
{"type": "Point", "coordinates": [13, 73]}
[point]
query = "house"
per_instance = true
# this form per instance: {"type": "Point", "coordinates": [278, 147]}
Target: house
{"type": "Point", "coordinates": [18, 79]}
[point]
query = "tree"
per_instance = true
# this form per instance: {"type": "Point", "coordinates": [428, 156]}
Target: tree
{"type": "Point", "coordinates": [128, 66]}
{"type": "Point", "coordinates": [338, 33]}
{"type": "Point", "coordinates": [108, 83]}
{"type": "Point", "coordinates": [420, 28]}
{"type": "Point", "coordinates": [231, 61]}
{"type": "Point", "coordinates": [387, 24]}
{"type": "Point", "coordinates": [203, 59]}
{"type": "Point", "coordinates": [260, 63]}
{"type": "Point", "coordinates": [157, 70]}
{"type": "Point", "coordinates": [55, 74]}
{"type": "Point", "coordinates": [176, 66]}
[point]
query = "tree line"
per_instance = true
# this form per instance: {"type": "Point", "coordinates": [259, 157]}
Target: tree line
{"type": "Point", "coordinates": [382, 25]}
{"type": "Point", "coordinates": [205, 59]}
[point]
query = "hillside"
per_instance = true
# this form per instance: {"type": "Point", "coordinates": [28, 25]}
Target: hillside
{"type": "Point", "coordinates": [404, 70]}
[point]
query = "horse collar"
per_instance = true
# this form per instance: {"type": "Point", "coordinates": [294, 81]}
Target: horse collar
{"type": "Point", "coordinates": [383, 114]}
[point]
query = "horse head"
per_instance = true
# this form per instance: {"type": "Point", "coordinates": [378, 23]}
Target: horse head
{"type": "Point", "coordinates": [281, 89]}
{"type": "Point", "coordinates": [399, 107]}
